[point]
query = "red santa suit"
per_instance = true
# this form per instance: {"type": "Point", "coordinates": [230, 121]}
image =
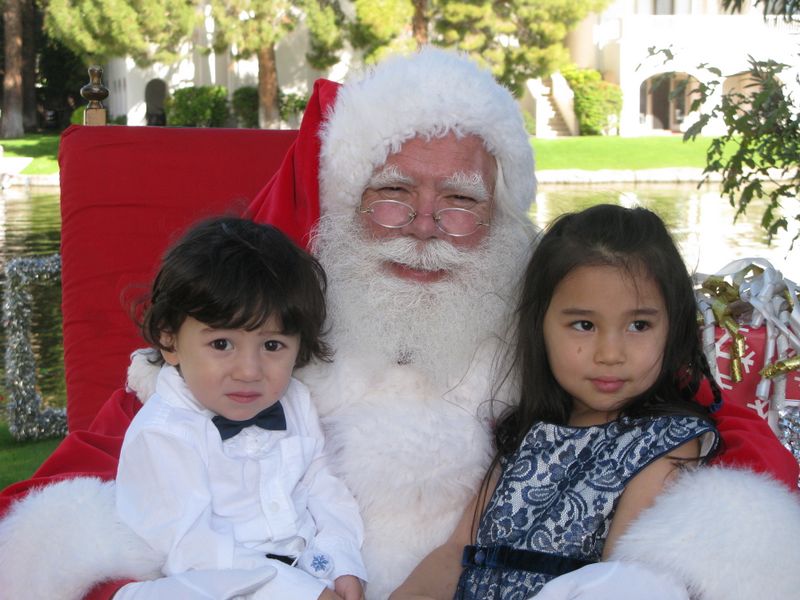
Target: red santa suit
{"type": "Point", "coordinates": [412, 447]}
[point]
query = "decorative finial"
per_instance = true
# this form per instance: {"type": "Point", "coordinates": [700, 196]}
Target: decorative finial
{"type": "Point", "coordinates": [95, 92]}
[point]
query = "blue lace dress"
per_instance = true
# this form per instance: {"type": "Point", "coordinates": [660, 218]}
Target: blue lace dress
{"type": "Point", "coordinates": [553, 505]}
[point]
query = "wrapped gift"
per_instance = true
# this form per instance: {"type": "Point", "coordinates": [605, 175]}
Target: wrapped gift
{"type": "Point", "coordinates": [751, 337]}
{"type": "Point", "coordinates": [753, 389]}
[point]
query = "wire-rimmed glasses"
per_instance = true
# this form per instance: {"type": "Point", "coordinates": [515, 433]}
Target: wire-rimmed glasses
{"type": "Point", "coordinates": [393, 214]}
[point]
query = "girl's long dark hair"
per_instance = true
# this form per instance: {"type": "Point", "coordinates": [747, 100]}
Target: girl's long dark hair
{"type": "Point", "coordinates": [637, 241]}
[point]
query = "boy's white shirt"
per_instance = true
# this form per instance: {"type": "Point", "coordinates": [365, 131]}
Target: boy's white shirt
{"type": "Point", "coordinates": [206, 504]}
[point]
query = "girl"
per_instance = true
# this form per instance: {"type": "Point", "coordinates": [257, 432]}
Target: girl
{"type": "Point", "coordinates": [224, 465]}
{"type": "Point", "coordinates": [608, 357]}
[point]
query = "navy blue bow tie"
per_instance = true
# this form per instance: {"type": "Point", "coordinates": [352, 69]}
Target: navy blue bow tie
{"type": "Point", "coordinates": [269, 418]}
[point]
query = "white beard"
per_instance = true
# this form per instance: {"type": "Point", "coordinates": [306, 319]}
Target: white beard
{"type": "Point", "coordinates": [436, 327]}
{"type": "Point", "coordinates": [402, 403]}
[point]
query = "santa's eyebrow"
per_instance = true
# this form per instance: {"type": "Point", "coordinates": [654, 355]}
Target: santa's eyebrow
{"type": "Point", "coordinates": [388, 176]}
{"type": "Point", "coordinates": [468, 184]}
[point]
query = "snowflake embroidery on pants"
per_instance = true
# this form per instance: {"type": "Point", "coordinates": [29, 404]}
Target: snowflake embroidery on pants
{"type": "Point", "coordinates": [319, 562]}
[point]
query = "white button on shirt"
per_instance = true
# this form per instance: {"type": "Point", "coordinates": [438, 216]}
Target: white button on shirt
{"type": "Point", "coordinates": [207, 504]}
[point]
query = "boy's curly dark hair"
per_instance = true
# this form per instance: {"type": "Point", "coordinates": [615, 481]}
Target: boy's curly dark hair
{"type": "Point", "coordinates": [232, 273]}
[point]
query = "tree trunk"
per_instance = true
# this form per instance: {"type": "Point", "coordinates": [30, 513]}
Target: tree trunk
{"type": "Point", "coordinates": [419, 23]}
{"type": "Point", "coordinates": [268, 114]}
{"type": "Point", "coordinates": [29, 35]}
{"type": "Point", "coordinates": [11, 121]}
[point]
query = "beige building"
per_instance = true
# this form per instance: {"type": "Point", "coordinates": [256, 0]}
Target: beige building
{"type": "Point", "coordinates": [696, 32]}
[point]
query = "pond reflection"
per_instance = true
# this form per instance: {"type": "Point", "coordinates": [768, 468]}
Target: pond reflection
{"type": "Point", "coordinates": [30, 225]}
{"type": "Point", "coordinates": [701, 221]}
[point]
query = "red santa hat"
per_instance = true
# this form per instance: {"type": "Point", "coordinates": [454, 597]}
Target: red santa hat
{"type": "Point", "coordinates": [290, 200]}
{"type": "Point", "coordinates": [350, 130]}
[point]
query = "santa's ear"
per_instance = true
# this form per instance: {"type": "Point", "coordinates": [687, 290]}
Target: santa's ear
{"type": "Point", "coordinates": [169, 350]}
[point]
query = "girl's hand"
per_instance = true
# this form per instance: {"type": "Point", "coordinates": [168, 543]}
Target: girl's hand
{"type": "Point", "coordinates": [349, 587]}
{"type": "Point", "coordinates": [329, 595]}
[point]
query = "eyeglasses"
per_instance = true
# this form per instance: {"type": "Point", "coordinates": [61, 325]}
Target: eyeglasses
{"type": "Point", "coordinates": [393, 214]}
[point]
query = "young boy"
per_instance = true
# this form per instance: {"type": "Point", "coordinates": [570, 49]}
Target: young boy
{"type": "Point", "coordinates": [224, 466]}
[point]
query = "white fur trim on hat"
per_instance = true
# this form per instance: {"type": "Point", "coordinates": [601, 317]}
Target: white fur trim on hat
{"type": "Point", "coordinates": [727, 534]}
{"type": "Point", "coordinates": [57, 542]}
{"type": "Point", "coordinates": [430, 93]}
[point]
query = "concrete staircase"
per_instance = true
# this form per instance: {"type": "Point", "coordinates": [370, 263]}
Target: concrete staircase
{"type": "Point", "coordinates": [556, 125]}
{"type": "Point", "coordinates": [542, 100]}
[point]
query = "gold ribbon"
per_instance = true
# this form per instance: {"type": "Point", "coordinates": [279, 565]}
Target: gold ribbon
{"type": "Point", "coordinates": [721, 295]}
{"type": "Point", "coordinates": [737, 346]}
{"type": "Point", "coordinates": [720, 290]}
{"type": "Point", "coordinates": [781, 367]}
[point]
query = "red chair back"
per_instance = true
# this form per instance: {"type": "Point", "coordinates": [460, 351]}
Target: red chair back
{"type": "Point", "coordinates": [126, 193]}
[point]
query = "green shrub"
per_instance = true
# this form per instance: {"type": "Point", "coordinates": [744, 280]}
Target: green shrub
{"type": "Point", "coordinates": [245, 106]}
{"type": "Point", "coordinates": [597, 103]}
{"type": "Point", "coordinates": [76, 118]}
{"type": "Point", "coordinates": [290, 105]}
{"type": "Point", "coordinates": [198, 106]}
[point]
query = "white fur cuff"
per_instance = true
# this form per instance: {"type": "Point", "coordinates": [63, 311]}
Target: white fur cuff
{"type": "Point", "coordinates": [727, 534]}
{"type": "Point", "coordinates": [59, 541]}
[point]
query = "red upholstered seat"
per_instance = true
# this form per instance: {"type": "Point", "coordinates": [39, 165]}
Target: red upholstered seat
{"type": "Point", "coordinates": [126, 192]}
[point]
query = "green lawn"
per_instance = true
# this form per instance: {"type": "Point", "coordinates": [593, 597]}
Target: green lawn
{"type": "Point", "coordinates": [42, 147]}
{"type": "Point", "coordinates": [602, 152]}
{"type": "Point", "coordinates": [18, 460]}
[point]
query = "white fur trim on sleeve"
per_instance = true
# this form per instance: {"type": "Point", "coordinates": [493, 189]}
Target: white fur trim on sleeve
{"type": "Point", "coordinates": [60, 540]}
{"type": "Point", "coordinates": [727, 534]}
{"type": "Point", "coordinates": [142, 374]}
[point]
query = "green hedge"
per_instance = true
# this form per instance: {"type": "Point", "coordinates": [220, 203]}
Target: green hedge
{"type": "Point", "coordinates": [290, 104]}
{"type": "Point", "coordinates": [597, 103]}
{"type": "Point", "coordinates": [199, 106]}
{"type": "Point", "coordinates": [76, 118]}
{"type": "Point", "coordinates": [245, 106]}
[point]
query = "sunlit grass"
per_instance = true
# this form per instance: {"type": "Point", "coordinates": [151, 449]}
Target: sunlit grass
{"type": "Point", "coordinates": [606, 152]}
{"type": "Point", "coordinates": [42, 147]}
{"type": "Point", "coordinates": [18, 460]}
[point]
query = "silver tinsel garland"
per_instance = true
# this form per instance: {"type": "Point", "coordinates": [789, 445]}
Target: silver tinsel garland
{"type": "Point", "coordinates": [27, 419]}
{"type": "Point", "coordinates": [789, 423]}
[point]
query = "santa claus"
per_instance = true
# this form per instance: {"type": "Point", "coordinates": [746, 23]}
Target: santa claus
{"type": "Point", "coordinates": [425, 176]}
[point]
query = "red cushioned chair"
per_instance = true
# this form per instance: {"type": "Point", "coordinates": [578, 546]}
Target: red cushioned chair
{"type": "Point", "coordinates": [126, 192]}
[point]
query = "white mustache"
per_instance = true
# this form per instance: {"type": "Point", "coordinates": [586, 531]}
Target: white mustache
{"type": "Point", "coordinates": [433, 255]}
